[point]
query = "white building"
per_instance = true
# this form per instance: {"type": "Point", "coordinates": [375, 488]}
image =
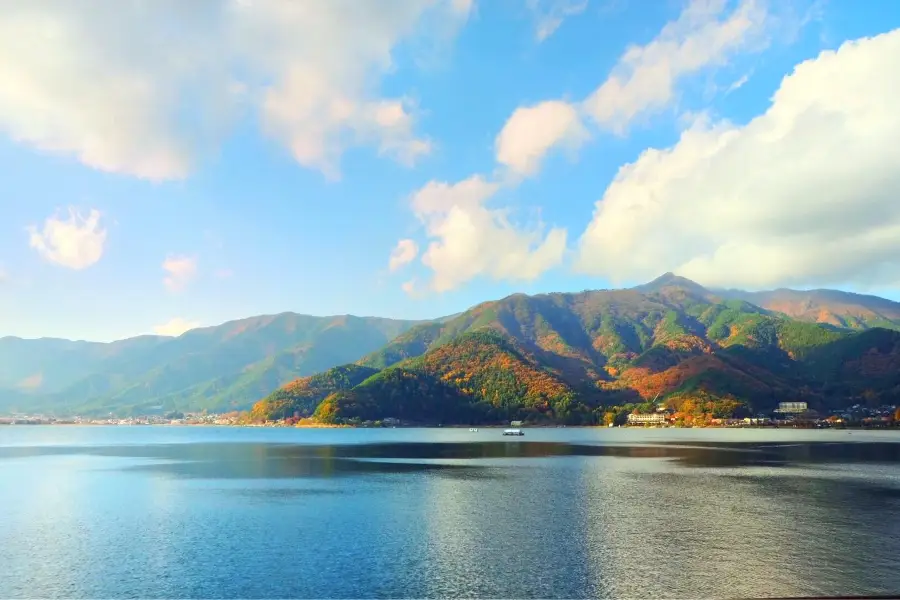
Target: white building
{"type": "Point", "coordinates": [649, 419]}
{"type": "Point", "coordinates": [791, 407]}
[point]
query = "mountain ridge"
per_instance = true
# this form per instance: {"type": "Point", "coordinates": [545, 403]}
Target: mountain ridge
{"type": "Point", "coordinates": [142, 373]}
{"type": "Point", "coordinates": [613, 348]}
{"type": "Point", "coordinates": [231, 365]}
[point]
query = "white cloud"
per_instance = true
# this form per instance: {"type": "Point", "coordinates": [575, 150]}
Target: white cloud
{"type": "Point", "coordinates": [549, 14]}
{"type": "Point", "coordinates": [643, 81]}
{"type": "Point", "coordinates": [94, 79]}
{"type": "Point", "coordinates": [75, 242]}
{"type": "Point", "coordinates": [645, 77]}
{"type": "Point", "coordinates": [175, 327]}
{"type": "Point", "coordinates": [804, 194]}
{"type": "Point", "coordinates": [409, 287]}
{"type": "Point", "coordinates": [470, 239]}
{"type": "Point", "coordinates": [738, 84]}
{"type": "Point", "coordinates": [180, 270]}
{"type": "Point", "coordinates": [324, 58]}
{"type": "Point", "coordinates": [532, 131]}
{"type": "Point", "coordinates": [143, 88]}
{"type": "Point", "coordinates": [403, 253]}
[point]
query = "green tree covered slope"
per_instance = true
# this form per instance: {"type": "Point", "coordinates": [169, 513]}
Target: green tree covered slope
{"type": "Point", "coordinates": [569, 357]}
{"type": "Point", "coordinates": [220, 368]}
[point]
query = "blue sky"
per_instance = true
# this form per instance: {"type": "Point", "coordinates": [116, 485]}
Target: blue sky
{"type": "Point", "coordinates": [251, 157]}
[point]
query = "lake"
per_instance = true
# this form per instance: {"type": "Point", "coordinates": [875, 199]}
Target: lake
{"type": "Point", "coordinates": [197, 512]}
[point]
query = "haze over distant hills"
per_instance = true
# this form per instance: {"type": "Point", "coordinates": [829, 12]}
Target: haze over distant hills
{"type": "Point", "coordinates": [217, 368]}
{"type": "Point", "coordinates": [556, 353]}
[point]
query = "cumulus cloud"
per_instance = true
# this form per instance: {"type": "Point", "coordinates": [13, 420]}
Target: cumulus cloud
{"type": "Point", "coordinates": [804, 194]}
{"type": "Point", "coordinates": [103, 81]}
{"type": "Point", "coordinates": [323, 56]}
{"type": "Point", "coordinates": [532, 131]}
{"type": "Point", "coordinates": [549, 14]}
{"type": "Point", "coordinates": [403, 253]}
{"type": "Point", "coordinates": [469, 239]}
{"type": "Point", "coordinates": [76, 241]}
{"type": "Point", "coordinates": [175, 327]}
{"type": "Point", "coordinates": [143, 88]}
{"type": "Point", "coordinates": [180, 270]}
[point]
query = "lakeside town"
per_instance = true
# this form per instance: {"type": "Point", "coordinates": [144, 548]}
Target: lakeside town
{"type": "Point", "coordinates": [168, 419]}
{"type": "Point", "coordinates": [788, 414]}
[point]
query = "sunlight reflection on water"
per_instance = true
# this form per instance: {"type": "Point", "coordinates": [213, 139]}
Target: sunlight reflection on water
{"type": "Point", "coordinates": [170, 512]}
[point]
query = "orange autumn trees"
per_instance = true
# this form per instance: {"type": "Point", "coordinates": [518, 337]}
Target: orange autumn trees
{"type": "Point", "coordinates": [303, 395]}
{"type": "Point", "coordinates": [478, 376]}
{"type": "Point", "coordinates": [592, 357]}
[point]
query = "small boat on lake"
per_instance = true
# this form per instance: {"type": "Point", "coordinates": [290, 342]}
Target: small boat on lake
{"type": "Point", "coordinates": [513, 432]}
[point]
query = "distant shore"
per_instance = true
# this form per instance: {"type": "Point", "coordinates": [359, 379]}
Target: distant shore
{"type": "Point", "coordinates": [314, 425]}
{"type": "Point", "coordinates": [247, 425]}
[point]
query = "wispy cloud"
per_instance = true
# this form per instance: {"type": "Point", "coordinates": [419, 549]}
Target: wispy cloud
{"type": "Point", "coordinates": [738, 84]}
{"type": "Point", "coordinates": [644, 81]}
{"type": "Point", "coordinates": [180, 270]}
{"type": "Point", "coordinates": [403, 253]}
{"type": "Point", "coordinates": [645, 77]}
{"type": "Point", "coordinates": [550, 14]}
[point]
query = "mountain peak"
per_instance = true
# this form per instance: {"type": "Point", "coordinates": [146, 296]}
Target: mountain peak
{"type": "Point", "coordinates": [669, 279]}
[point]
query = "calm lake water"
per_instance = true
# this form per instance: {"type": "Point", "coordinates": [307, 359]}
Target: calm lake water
{"type": "Point", "coordinates": [167, 512]}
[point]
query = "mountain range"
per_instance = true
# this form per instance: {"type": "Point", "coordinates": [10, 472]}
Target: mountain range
{"type": "Point", "coordinates": [220, 368]}
{"type": "Point", "coordinates": [564, 356]}
{"type": "Point", "coordinates": [589, 357]}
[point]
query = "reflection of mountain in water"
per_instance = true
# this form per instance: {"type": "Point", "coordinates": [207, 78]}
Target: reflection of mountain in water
{"type": "Point", "coordinates": [469, 519]}
{"type": "Point", "coordinates": [255, 460]}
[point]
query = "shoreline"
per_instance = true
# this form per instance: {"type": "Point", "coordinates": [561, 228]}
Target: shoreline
{"type": "Point", "coordinates": [127, 424]}
{"type": "Point", "coordinates": [423, 426]}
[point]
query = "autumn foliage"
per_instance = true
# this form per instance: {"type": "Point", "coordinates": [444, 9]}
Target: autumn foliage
{"type": "Point", "coordinates": [299, 398]}
{"type": "Point", "coordinates": [593, 357]}
{"type": "Point", "coordinates": [477, 376]}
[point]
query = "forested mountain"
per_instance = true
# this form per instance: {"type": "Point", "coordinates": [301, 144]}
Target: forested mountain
{"type": "Point", "coordinates": [563, 356]}
{"type": "Point", "coordinates": [219, 368]}
{"type": "Point", "coordinates": [570, 357]}
{"type": "Point", "coordinates": [50, 365]}
{"type": "Point", "coordinates": [302, 396]}
{"type": "Point", "coordinates": [833, 307]}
